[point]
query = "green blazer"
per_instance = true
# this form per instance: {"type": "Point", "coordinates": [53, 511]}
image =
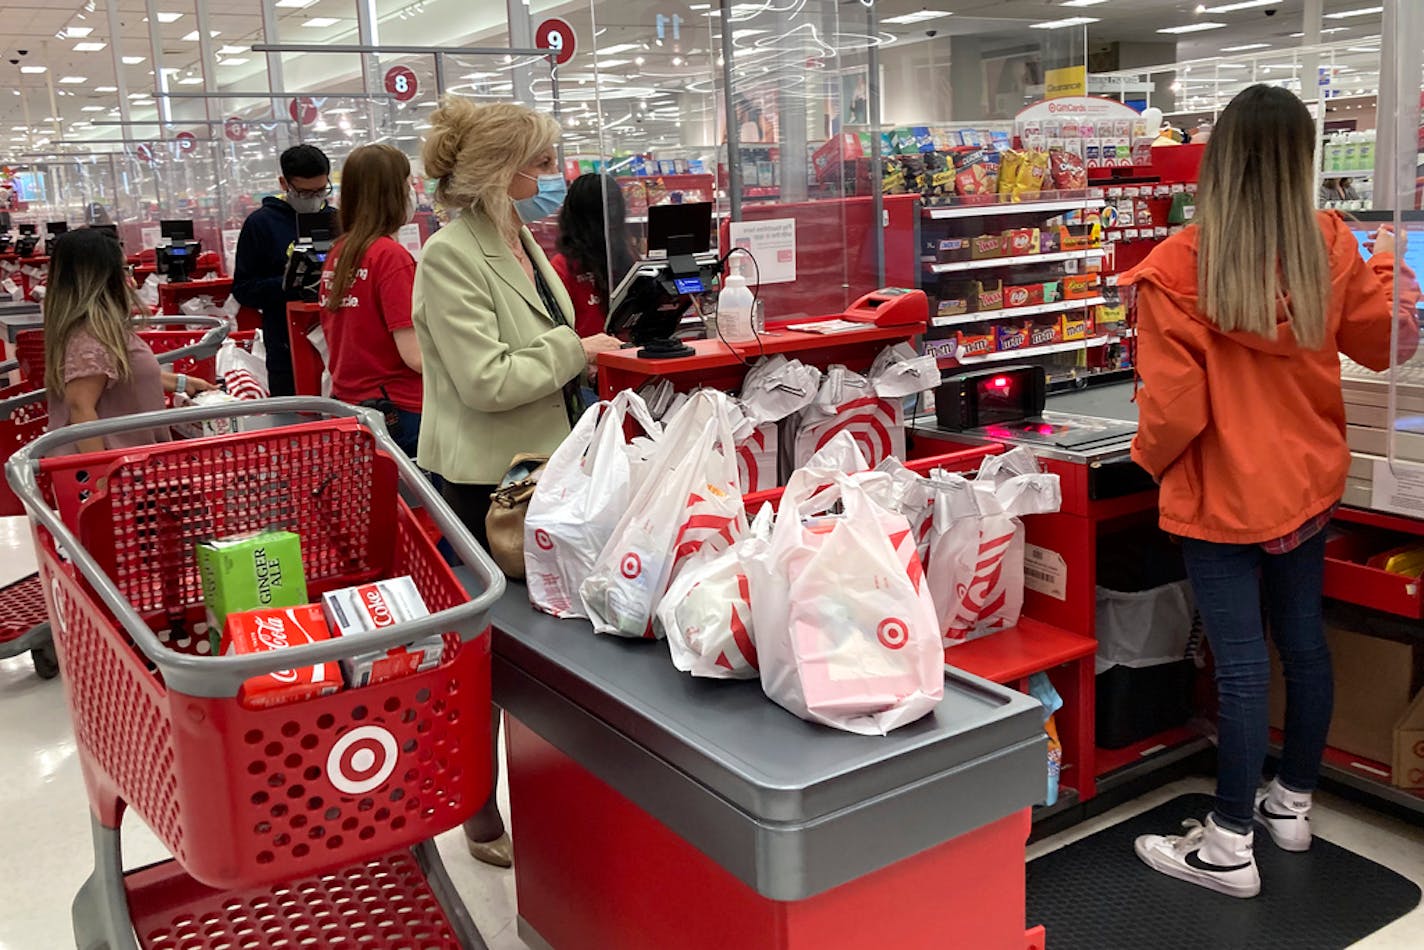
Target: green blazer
{"type": "Point", "coordinates": [495, 361]}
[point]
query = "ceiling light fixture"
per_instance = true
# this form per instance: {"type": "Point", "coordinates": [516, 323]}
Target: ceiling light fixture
{"type": "Point", "coordinates": [34, 70]}
{"type": "Point", "coordinates": [73, 80]}
{"type": "Point", "coordinates": [89, 47]}
{"type": "Point", "coordinates": [1238, 5]}
{"type": "Point", "coordinates": [1347, 14]}
{"type": "Point", "coordinates": [77, 32]}
{"type": "Point", "coordinates": [919, 16]}
{"type": "Point", "coordinates": [1245, 48]}
{"type": "Point", "coordinates": [295, 4]}
{"type": "Point", "coordinates": [1193, 27]}
{"type": "Point", "coordinates": [168, 17]}
{"type": "Point", "coordinates": [133, 60]}
{"type": "Point", "coordinates": [320, 22]}
{"type": "Point", "coordinates": [1081, 3]}
{"type": "Point", "coordinates": [1064, 23]}
{"type": "Point", "coordinates": [192, 37]}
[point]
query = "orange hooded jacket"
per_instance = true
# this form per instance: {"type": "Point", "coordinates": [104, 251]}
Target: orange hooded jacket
{"type": "Point", "coordinates": [1247, 434]}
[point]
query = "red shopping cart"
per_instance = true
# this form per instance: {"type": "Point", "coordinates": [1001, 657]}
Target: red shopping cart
{"type": "Point", "coordinates": [196, 337]}
{"type": "Point", "coordinates": [24, 415]}
{"type": "Point", "coordinates": [302, 825]}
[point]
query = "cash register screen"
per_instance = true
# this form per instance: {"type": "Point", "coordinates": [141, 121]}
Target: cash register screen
{"type": "Point", "coordinates": [1413, 254]}
{"type": "Point", "coordinates": [690, 285]}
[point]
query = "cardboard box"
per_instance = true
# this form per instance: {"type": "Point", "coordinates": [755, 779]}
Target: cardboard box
{"type": "Point", "coordinates": [1045, 332]}
{"type": "Point", "coordinates": [1374, 682]}
{"type": "Point", "coordinates": [977, 342]}
{"type": "Point", "coordinates": [987, 247]}
{"type": "Point", "coordinates": [1021, 241]}
{"type": "Point", "coordinates": [1023, 295]}
{"type": "Point", "coordinates": [1408, 760]}
{"type": "Point", "coordinates": [261, 631]}
{"type": "Point", "coordinates": [358, 611]}
{"type": "Point", "coordinates": [254, 571]}
{"type": "Point", "coordinates": [1080, 286]}
{"type": "Point", "coordinates": [953, 249]}
{"type": "Point", "coordinates": [1013, 336]}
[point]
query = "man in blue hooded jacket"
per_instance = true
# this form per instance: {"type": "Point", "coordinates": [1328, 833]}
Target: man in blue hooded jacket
{"type": "Point", "coordinates": [265, 244]}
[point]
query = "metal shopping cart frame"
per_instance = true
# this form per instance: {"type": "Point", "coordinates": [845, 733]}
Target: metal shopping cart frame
{"type": "Point", "coordinates": [178, 911]}
{"type": "Point", "coordinates": [24, 627]}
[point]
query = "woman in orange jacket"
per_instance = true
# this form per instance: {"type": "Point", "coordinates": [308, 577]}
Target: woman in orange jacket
{"type": "Point", "coordinates": [1241, 320]}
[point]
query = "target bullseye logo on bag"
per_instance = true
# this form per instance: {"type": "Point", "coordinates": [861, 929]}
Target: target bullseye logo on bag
{"type": "Point", "coordinates": [632, 565]}
{"type": "Point", "coordinates": [985, 594]}
{"type": "Point", "coordinates": [541, 538]}
{"type": "Point", "coordinates": [362, 759]}
{"type": "Point", "coordinates": [893, 633]}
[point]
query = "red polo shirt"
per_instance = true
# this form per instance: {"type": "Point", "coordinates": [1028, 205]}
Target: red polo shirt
{"type": "Point", "coordinates": [590, 309]}
{"type": "Point", "coordinates": [363, 358]}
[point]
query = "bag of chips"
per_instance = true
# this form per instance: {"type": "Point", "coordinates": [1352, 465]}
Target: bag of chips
{"type": "Point", "coordinates": [1010, 162]}
{"type": "Point", "coordinates": [976, 171]}
{"type": "Point", "coordinates": [1069, 171]}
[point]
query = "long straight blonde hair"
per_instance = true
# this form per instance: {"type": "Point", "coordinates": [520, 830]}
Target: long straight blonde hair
{"type": "Point", "coordinates": [88, 290]}
{"type": "Point", "coordinates": [1258, 238]}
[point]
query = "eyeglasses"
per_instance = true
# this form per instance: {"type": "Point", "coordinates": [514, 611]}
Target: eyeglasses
{"type": "Point", "coordinates": [318, 193]}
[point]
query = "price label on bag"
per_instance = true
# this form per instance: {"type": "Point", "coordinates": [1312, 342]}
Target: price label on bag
{"type": "Point", "coordinates": [401, 83]}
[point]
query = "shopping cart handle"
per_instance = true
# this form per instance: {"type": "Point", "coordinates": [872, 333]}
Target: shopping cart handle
{"type": "Point", "coordinates": [207, 345]}
{"type": "Point", "coordinates": [224, 676]}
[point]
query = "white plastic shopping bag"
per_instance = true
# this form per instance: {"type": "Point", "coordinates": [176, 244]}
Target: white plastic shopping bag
{"type": "Point", "coordinates": [912, 495]}
{"type": "Point", "coordinates": [900, 371]}
{"type": "Point", "coordinates": [148, 293]}
{"type": "Point", "coordinates": [212, 427]}
{"type": "Point", "coordinates": [977, 543]}
{"type": "Point", "coordinates": [243, 373]}
{"type": "Point", "coordinates": [846, 630]}
{"type": "Point", "coordinates": [583, 491]}
{"type": "Point", "coordinates": [316, 336]}
{"type": "Point", "coordinates": [707, 612]}
{"type": "Point", "coordinates": [847, 402]}
{"type": "Point", "coordinates": [689, 506]}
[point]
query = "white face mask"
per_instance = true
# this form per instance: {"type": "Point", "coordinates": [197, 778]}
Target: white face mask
{"type": "Point", "coordinates": [305, 205]}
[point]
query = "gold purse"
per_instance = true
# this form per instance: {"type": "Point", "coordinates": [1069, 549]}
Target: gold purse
{"type": "Point", "coordinates": [504, 525]}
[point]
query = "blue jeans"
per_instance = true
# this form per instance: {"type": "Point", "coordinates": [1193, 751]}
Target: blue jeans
{"type": "Point", "coordinates": [1231, 582]}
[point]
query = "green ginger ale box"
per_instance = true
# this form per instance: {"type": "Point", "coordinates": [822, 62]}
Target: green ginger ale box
{"type": "Point", "coordinates": [249, 572]}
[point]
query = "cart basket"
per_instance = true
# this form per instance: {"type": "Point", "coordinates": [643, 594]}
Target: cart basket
{"type": "Point", "coordinates": [247, 796]}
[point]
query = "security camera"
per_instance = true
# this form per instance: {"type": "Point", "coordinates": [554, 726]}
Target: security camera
{"type": "Point", "coordinates": [23, 52]}
{"type": "Point", "coordinates": [14, 62]}
{"type": "Point", "coordinates": [1269, 12]}
{"type": "Point", "coordinates": [931, 33]}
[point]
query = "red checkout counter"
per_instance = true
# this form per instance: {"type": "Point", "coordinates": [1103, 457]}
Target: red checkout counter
{"type": "Point", "coordinates": [654, 810]}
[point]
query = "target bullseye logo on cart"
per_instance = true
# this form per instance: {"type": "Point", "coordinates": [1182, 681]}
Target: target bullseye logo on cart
{"type": "Point", "coordinates": [541, 538]}
{"type": "Point", "coordinates": [60, 623]}
{"type": "Point", "coordinates": [893, 633]}
{"type": "Point", "coordinates": [632, 565]}
{"type": "Point", "coordinates": [361, 760]}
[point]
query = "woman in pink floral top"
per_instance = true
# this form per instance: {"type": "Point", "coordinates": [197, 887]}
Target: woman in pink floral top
{"type": "Point", "coordinates": [96, 367]}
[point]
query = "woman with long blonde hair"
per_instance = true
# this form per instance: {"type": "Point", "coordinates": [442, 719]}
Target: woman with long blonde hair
{"type": "Point", "coordinates": [503, 364]}
{"type": "Point", "coordinates": [96, 366]}
{"type": "Point", "coordinates": [1241, 322]}
{"type": "Point", "coordinates": [367, 282]}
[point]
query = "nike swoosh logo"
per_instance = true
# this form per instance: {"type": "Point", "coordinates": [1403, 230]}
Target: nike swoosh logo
{"type": "Point", "coordinates": [1265, 810]}
{"type": "Point", "coordinates": [1194, 860]}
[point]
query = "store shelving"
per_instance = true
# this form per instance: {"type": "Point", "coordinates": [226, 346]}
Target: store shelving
{"type": "Point", "coordinates": [1029, 352]}
{"type": "Point", "coordinates": [1030, 647]}
{"type": "Point", "coordinates": [946, 212]}
{"type": "Point", "coordinates": [1061, 306]}
{"type": "Point", "coordinates": [954, 267]}
{"type": "Point", "coordinates": [1360, 774]}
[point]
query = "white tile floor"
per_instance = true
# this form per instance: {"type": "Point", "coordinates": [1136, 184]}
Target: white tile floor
{"type": "Point", "coordinates": [45, 847]}
{"type": "Point", "coordinates": [45, 851]}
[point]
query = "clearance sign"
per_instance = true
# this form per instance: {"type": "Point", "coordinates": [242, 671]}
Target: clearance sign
{"type": "Point", "coordinates": [1068, 81]}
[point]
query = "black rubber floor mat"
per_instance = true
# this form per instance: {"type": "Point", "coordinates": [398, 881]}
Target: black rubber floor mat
{"type": "Point", "coordinates": [1095, 894]}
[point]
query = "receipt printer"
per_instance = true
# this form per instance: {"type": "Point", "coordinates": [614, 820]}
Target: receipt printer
{"type": "Point", "coordinates": [891, 307]}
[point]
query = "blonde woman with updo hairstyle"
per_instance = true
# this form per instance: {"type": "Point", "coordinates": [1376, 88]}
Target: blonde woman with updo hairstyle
{"type": "Point", "coordinates": [502, 362]}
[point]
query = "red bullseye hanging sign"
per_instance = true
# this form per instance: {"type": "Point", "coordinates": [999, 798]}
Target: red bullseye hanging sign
{"type": "Point", "coordinates": [558, 37]}
{"type": "Point", "coordinates": [187, 141]}
{"type": "Point", "coordinates": [401, 83]}
{"type": "Point", "coordinates": [235, 129]}
{"type": "Point", "coordinates": [303, 110]}
{"type": "Point", "coordinates": [361, 760]}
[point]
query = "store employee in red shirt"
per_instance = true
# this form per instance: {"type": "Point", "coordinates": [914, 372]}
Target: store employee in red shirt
{"type": "Point", "coordinates": [584, 244]}
{"type": "Point", "coordinates": [373, 356]}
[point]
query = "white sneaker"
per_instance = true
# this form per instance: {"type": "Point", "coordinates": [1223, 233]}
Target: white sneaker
{"type": "Point", "coordinates": [1286, 815]}
{"type": "Point", "coordinates": [1207, 855]}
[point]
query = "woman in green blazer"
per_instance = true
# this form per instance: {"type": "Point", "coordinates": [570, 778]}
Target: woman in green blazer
{"type": "Point", "coordinates": [502, 363]}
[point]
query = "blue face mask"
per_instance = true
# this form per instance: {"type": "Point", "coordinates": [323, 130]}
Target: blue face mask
{"type": "Point", "coordinates": [548, 200]}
